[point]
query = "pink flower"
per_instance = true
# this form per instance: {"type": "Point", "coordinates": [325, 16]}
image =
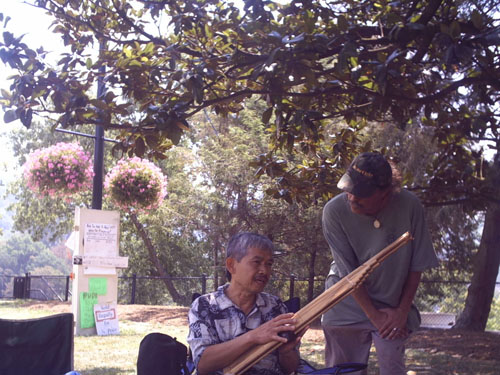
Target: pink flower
{"type": "Point", "coordinates": [136, 183]}
{"type": "Point", "coordinates": [58, 171]}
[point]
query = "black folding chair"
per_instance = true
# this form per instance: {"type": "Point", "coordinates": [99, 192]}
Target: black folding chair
{"type": "Point", "coordinates": [343, 368]}
{"type": "Point", "coordinates": [41, 346]}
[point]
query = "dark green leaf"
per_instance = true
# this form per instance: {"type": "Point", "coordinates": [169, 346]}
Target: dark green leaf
{"type": "Point", "coordinates": [152, 140]}
{"type": "Point", "coordinates": [8, 38]}
{"type": "Point", "coordinates": [298, 38]}
{"type": "Point", "coordinates": [275, 34]}
{"type": "Point", "coordinates": [266, 116]}
{"type": "Point", "coordinates": [26, 116]}
{"type": "Point", "coordinates": [342, 23]}
{"type": "Point", "coordinates": [5, 94]}
{"type": "Point", "coordinates": [101, 104]}
{"type": "Point", "coordinates": [477, 19]}
{"type": "Point", "coordinates": [30, 53]}
{"type": "Point", "coordinates": [455, 29]}
{"type": "Point", "coordinates": [9, 116]}
{"type": "Point", "coordinates": [140, 147]}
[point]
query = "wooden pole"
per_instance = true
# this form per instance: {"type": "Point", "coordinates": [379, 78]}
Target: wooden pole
{"type": "Point", "coordinates": [319, 305]}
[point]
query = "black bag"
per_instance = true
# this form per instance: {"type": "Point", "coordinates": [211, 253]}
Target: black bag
{"type": "Point", "coordinates": [161, 354]}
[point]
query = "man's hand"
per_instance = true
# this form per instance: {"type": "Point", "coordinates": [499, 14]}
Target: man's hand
{"type": "Point", "coordinates": [390, 322]}
{"type": "Point", "coordinates": [270, 330]}
{"type": "Point", "coordinates": [394, 325]}
{"type": "Point", "coordinates": [378, 318]}
{"type": "Point", "coordinates": [292, 343]}
{"type": "Point", "coordinates": [288, 354]}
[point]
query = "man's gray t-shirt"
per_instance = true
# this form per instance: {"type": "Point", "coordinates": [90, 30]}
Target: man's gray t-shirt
{"type": "Point", "coordinates": [353, 239]}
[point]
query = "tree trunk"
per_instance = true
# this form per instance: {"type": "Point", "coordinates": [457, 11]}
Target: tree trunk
{"type": "Point", "coordinates": [482, 288]}
{"type": "Point", "coordinates": [177, 298]}
{"type": "Point", "coordinates": [216, 266]}
{"type": "Point", "coordinates": [312, 275]}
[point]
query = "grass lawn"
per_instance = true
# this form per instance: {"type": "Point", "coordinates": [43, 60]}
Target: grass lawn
{"type": "Point", "coordinates": [117, 355]}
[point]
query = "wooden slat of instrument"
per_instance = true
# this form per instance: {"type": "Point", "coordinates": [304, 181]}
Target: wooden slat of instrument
{"type": "Point", "coordinates": [319, 305]}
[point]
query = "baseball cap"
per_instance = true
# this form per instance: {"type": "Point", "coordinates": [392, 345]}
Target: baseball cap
{"type": "Point", "coordinates": [368, 172]}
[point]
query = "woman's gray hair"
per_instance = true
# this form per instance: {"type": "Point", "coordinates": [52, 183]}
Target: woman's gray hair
{"type": "Point", "coordinates": [240, 243]}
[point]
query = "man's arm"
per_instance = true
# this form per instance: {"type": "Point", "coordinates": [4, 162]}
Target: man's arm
{"type": "Point", "coordinates": [216, 357]}
{"type": "Point", "coordinates": [363, 299]}
{"type": "Point", "coordinates": [387, 319]}
{"type": "Point", "coordinates": [289, 356]}
{"type": "Point", "coordinates": [398, 317]}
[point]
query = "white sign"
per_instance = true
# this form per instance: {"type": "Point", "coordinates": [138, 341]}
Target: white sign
{"type": "Point", "coordinates": [72, 241]}
{"type": "Point", "coordinates": [93, 260]}
{"type": "Point", "coordinates": [101, 239]}
{"type": "Point", "coordinates": [92, 270]}
{"type": "Point", "coordinates": [106, 320]}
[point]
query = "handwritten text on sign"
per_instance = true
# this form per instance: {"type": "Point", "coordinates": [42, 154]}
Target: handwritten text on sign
{"type": "Point", "coordinates": [101, 239]}
{"type": "Point", "coordinates": [87, 301]}
{"type": "Point", "coordinates": [106, 320]}
{"type": "Point", "coordinates": [93, 260]}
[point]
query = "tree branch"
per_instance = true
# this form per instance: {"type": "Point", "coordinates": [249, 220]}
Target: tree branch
{"type": "Point", "coordinates": [429, 11]}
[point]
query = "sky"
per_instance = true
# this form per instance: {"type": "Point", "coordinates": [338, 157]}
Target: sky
{"type": "Point", "coordinates": [28, 20]}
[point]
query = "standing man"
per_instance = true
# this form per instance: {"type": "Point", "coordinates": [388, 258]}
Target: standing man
{"type": "Point", "coordinates": [371, 213]}
{"type": "Point", "coordinates": [225, 324]}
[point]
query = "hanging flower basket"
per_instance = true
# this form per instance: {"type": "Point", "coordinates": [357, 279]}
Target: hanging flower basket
{"type": "Point", "coordinates": [59, 171]}
{"type": "Point", "coordinates": [136, 183]}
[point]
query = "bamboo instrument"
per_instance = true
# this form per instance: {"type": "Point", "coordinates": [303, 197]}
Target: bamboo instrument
{"type": "Point", "coordinates": [319, 305]}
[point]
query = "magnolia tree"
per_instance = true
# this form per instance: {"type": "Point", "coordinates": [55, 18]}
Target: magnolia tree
{"type": "Point", "coordinates": [433, 63]}
{"type": "Point", "coordinates": [59, 171]}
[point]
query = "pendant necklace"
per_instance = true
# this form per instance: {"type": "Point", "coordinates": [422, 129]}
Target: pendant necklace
{"type": "Point", "coordinates": [376, 221]}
